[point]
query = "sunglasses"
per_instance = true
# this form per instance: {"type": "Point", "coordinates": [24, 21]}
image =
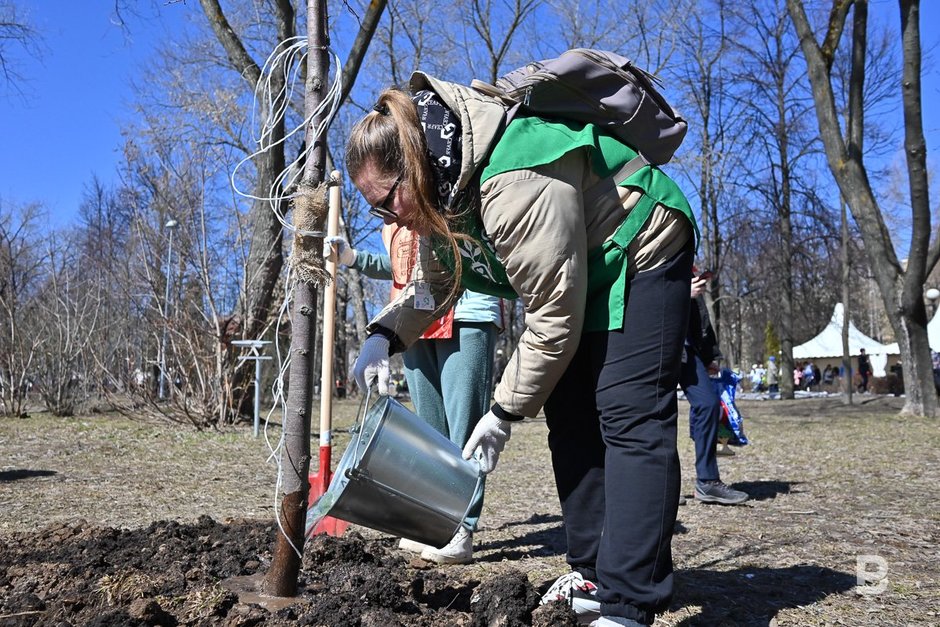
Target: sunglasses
{"type": "Point", "coordinates": [380, 211]}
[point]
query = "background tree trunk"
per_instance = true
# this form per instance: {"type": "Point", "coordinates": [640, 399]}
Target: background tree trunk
{"type": "Point", "coordinates": [901, 287]}
{"type": "Point", "coordinates": [265, 257]}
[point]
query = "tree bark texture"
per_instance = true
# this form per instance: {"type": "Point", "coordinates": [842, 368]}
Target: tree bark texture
{"type": "Point", "coordinates": [784, 212]}
{"type": "Point", "coordinates": [847, 381]}
{"type": "Point", "coordinates": [281, 579]}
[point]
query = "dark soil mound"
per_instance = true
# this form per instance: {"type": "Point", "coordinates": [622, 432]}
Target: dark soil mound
{"type": "Point", "coordinates": [173, 574]}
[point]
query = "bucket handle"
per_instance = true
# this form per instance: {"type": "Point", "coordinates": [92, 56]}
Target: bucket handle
{"type": "Point", "coordinates": [357, 429]}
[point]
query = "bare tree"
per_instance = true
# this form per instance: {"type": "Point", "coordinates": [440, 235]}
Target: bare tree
{"type": "Point", "coordinates": [901, 285]}
{"type": "Point", "coordinates": [265, 258]}
{"type": "Point", "coordinates": [495, 26]}
{"type": "Point", "coordinates": [718, 130]}
{"type": "Point", "coordinates": [22, 268]}
{"type": "Point", "coordinates": [70, 308]}
{"type": "Point", "coordinates": [16, 35]}
{"type": "Point", "coordinates": [782, 141]}
{"type": "Point", "coordinates": [120, 350]}
{"type": "Point", "coordinates": [586, 24]}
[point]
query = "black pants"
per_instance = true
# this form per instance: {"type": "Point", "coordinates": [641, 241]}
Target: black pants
{"type": "Point", "coordinates": [704, 414]}
{"type": "Point", "coordinates": [612, 433]}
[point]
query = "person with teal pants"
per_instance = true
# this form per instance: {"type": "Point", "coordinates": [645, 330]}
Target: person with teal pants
{"type": "Point", "coordinates": [449, 372]}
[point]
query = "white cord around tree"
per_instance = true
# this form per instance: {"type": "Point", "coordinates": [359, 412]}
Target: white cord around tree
{"type": "Point", "coordinates": [289, 55]}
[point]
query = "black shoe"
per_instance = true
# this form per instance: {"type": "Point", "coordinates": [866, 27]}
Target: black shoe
{"type": "Point", "coordinates": [681, 500]}
{"type": "Point", "coordinates": [718, 492]}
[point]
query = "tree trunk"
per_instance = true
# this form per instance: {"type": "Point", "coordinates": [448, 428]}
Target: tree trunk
{"type": "Point", "coordinates": [265, 256]}
{"type": "Point", "coordinates": [310, 208]}
{"type": "Point", "coordinates": [847, 380]}
{"type": "Point", "coordinates": [900, 287]}
{"type": "Point", "coordinates": [357, 52]}
{"type": "Point", "coordinates": [357, 297]}
{"type": "Point", "coordinates": [785, 280]}
{"type": "Point", "coordinates": [263, 267]}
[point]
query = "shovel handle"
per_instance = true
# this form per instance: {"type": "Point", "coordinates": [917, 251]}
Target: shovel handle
{"type": "Point", "coordinates": [329, 317]}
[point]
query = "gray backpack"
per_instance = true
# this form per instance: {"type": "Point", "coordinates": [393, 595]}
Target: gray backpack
{"type": "Point", "coordinates": [599, 87]}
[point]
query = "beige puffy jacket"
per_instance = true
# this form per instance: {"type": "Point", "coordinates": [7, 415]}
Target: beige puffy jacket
{"type": "Point", "coordinates": [542, 223]}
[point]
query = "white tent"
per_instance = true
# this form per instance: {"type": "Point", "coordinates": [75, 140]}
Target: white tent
{"type": "Point", "coordinates": [933, 336]}
{"type": "Point", "coordinates": [828, 344]}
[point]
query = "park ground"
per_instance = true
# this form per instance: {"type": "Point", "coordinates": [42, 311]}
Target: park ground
{"type": "Point", "coordinates": [110, 521]}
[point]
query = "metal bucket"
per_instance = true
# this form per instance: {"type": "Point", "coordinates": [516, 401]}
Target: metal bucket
{"type": "Point", "coordinates": [400, 476]}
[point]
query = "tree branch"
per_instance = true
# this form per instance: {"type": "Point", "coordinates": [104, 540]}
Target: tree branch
{"type": "Point", "coordinates": [230, 41]}
{"type": "Point", "coordinates": [915, 147]}
{"type": "Point", "coordinates": [840, 9]}
{"type": "Point", "coordinates": [361, 45]}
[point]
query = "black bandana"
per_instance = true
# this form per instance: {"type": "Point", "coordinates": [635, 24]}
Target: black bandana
{"type": "Point", "coordinates": [442, 133]}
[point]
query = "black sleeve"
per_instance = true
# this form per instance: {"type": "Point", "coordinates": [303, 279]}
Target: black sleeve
{"type": "Point", "coordinates": [502, 414]}
{"type": "Point", "coordinates": [702, 334]}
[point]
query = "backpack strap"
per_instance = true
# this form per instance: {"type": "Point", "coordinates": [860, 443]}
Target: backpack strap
{"type": "Point", "coordinates": [628, 169]}
{"type": "Point", "coordinates": [488, 89]}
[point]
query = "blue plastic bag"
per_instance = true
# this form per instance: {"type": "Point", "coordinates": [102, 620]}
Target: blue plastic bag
{"type": "Point", "coordinates": [731, 425]}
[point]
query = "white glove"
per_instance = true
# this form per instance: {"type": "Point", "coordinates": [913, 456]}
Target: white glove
{"type": "Point", "coordinates": [337, 244]}
{"type": "Point", "coordinates": [372, 363]}
{"type": "Point", "coordinates": [488, 437]}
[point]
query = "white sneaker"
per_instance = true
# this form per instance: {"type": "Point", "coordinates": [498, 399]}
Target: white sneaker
{"type": "Point", "coordinates": [615, 621]}
{"type": "Point", "coordinates": [413, 546]}
{"type": "Point", "coordinates": [579, 593]}
{"type": "Point", "coordinates": [458, 551]}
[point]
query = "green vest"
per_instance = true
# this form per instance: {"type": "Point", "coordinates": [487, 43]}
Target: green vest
{"type": "Point", "coordinates": [529, 142]}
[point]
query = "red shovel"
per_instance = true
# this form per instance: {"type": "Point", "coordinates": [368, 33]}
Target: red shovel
{"type": "Point", "coordinates": [320, 482]}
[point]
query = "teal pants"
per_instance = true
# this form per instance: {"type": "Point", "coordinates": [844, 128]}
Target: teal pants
{"type": "Point", "coordinates": [450, 382]}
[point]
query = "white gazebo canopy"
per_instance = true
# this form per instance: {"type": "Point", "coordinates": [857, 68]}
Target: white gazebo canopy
{"type": "Point", "coordinates": [828, 343]}
{"type": "Point", "coordinates": [933, 336]}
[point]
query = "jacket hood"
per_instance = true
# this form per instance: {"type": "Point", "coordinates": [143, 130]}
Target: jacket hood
{"type": "Point", "coordinates": [481, 118]}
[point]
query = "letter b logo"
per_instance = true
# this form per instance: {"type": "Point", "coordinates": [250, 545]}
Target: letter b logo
{"type": "Point", "coordinates": [871, 574]}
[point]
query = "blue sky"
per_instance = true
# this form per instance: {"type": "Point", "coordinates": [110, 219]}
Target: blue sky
{"type": "Point", "coordinates": [66, 127]}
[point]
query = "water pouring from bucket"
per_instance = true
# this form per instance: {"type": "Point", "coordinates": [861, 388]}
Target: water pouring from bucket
{"type": "Point", "coordinates": [400, 476]}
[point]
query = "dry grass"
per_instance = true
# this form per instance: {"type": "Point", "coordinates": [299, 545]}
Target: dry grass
{"type": "Point", "coordinates": [831, 484]}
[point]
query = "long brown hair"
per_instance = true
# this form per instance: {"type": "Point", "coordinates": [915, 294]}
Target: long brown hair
{"type": "Point", "coordinates": [391, 138]}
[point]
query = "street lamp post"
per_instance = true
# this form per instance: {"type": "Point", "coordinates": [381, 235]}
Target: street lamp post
{"type": "Point", "coordinates": [170, 226]}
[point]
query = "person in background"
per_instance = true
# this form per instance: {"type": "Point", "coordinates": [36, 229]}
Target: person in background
{"type": "Point", "coordinates": [935, 361]}
{"type": "Point", "coordinates": [864, 370]}
{"type": "Point", "coordinates": [809, 376]}
{"type": "Point", "coordinates": [602, 260]}
{"type": "Point", "coordinates": [756, 376]}
{"type": "Point", "coordinates": [449, 370]}
{"type": "Point", "coordinates": [828, 375]}
{"type": "Point", "coordinates": [773, 374]}
{"type": "Point", "coordinates": [699, 363]}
